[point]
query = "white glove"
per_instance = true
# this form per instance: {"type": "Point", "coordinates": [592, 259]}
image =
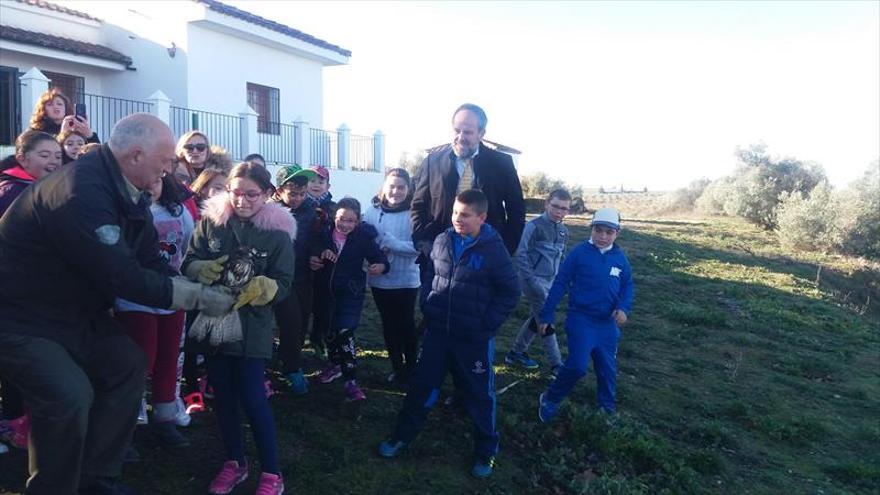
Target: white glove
{"type": "Point", "coordinates": [188, 295]}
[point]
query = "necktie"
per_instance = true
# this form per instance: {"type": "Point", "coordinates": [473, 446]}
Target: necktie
{"type": "Point", "coordinates": [466, 180]}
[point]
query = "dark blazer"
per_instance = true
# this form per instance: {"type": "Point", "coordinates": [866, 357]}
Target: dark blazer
{"type": "Point", "coordinates": [436, 185]}
{"type": "Point", "coordinates": [72, 243]}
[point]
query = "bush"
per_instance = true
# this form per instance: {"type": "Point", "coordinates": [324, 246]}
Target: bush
{"type": "Point", "coordinates": [711, 202]}
{"type": "Point", "coordinates": [860, 212]}
{"type": "Point", "coordinates": [685, 199]}
{"type": "Point", "coordinates": [811, 223]}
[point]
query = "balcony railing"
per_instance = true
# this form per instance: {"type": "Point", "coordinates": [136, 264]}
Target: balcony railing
{"type": "Point", "coordinates": [104, 111]}
{"type": "Point", "coordinates": [280, 147]}
{"type": "Point", "coordinates": [222, 129]}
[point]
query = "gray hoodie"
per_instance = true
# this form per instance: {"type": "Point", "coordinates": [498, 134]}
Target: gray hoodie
{"type": "Point", "coordinates": [539, 254]}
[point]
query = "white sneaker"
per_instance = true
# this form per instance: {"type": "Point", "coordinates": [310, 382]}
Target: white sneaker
{"type": "Point", "coordinates": [142, 414]}
{"type": "Point", "coordinates": [182, 418]}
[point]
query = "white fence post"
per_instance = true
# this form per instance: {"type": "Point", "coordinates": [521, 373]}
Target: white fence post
{"type": "Point", "coordinates": [302, 143]}
{"type": "Point", "coordinates": [378, 151]}
{"type": "Point", "coordinates": [250, 139]}
{"type": "Point", "coordinates": [343, 146]}
{"type": "Point", "coordinates": [160, 106]}
{"type": "Point", "coordinates": [33, 85]}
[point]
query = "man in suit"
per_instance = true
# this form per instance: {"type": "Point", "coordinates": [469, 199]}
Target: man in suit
{"type": "Point", "coordinates": [466, 163]}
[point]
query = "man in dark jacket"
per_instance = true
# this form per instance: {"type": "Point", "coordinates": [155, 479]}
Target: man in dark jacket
{"type": "Point", "coordinates": [475, 288]}
{"type": "Point", "coordinates": [69, 246]}
{"type": "Point", "coordinates": [466, 163]}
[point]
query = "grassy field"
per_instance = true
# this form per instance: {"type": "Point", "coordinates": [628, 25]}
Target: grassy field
{"type": "Point", "coordinates": [743, 369]}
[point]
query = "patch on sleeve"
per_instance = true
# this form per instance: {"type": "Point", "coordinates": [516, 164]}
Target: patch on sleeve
{"type": "Point", "coordinates": [108, 234]}
{"type": "Point", "coordinates": [615, 272]}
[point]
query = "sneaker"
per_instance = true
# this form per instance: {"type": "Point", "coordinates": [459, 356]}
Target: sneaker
{"type": "Point", "coordinates": [267, 388]}
{"type": "Point", "coordinates": [521, 359]}
{"type": "Point", "coordinates": [391, 448]}
{"type": "Point", "coordinates": [483, 467]}
{"type": "Point", "coordinates": [182, 417]}
{"type": "Point", "coordinates": [546, 410]}
{"type": "Point", "coordinates": [193, 403]}
{"type": "Point", "coordinates": [230, 475]}
{"type": "Point", "coordinates": [20, 428]}
{"type": "Point", "coordinates": [142, 414]}
{"type": "Point", "coordinates": [330, 373]}
{"type": "Point", "coordinates": [554, 371]}
{"type": "Point", "coordinates": [298, 383]}
{"type": "Point", "coordinates": [167, 435]}
{"type": "Point", "coordinates": [353, 392]}
{"type": "Point", "coordinates": [270, 484]}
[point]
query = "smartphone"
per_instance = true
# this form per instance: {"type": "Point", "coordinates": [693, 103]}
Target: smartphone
{"type": "Point", "coordinates": [80, 110]}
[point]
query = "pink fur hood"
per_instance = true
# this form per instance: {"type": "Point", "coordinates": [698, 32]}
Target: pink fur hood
{"type": "Point", "coordinates": [271, 216]}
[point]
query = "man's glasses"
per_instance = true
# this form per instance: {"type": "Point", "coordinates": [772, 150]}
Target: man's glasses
{"type": "Point", "coordinates": [249, 195]}
{"type": "Point", "coordinates": [197, 147]}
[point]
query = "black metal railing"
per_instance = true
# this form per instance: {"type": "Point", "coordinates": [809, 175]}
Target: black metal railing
{"type": "Point", "coordinates": [360, 151]}
{"type": "Point", "coordinates": [324, 148]}
{"type": "Point", "coordinates": [280, 148]}
{"type": "Point", "coordinates": [222, 129]}
{"type": "Point", "coordinates": [104, 112]}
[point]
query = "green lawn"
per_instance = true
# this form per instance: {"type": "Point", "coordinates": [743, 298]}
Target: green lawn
{"type": "Point", "coordinates": [742, 370]}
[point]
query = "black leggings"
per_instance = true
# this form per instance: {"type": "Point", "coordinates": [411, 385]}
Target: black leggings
{"type": "Point", "coordinates": [292, 316]}
{"type": "Point", "coordinates": [397, 309]}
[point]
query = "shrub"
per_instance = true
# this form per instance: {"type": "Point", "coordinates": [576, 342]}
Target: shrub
{"type": "Point", "coordinates": [711, 201]}
{"type": "Point", "coordinates": [860, 215]}
{"type": "Point", "coordinates": [811, 223]}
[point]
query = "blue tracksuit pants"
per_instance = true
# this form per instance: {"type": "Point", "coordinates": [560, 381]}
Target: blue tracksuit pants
{"type": "Point", "coordinates": [470, 363]}
{"type": "Point", "coordinates": [588, 338]}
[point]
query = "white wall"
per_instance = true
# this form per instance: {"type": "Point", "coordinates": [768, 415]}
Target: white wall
{"type": "Point", "coordinates": [218, 78]}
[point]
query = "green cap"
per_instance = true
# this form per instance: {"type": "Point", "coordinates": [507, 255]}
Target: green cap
{"type": "Point", "coordinates": [288, 172]}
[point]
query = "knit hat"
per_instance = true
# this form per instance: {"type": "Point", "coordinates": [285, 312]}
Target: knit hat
{"type": "Point", "coordinates": [608, 217]}
{"type": "Point", "coordinates": [321, 171]}
{"type": "Point", "coordinates": [288, 172]}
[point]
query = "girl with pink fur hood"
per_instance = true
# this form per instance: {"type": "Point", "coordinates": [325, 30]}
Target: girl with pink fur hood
{"type": "Point", "coordinates": [245, 244]}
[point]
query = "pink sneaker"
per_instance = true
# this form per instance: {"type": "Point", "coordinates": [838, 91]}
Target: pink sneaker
{"type": "Point", "coordinates": [20, 428]}
{"type": "Point", "coordinates": [330, 373]}
{"type": "Point", "coordinates": [267, 386]}
{"type": "Point", "coordinates": [270, 484]}
{"type": "Point", "coordinates": [228, 477]}
{"type": "Point", "coordinates": [353, 392]}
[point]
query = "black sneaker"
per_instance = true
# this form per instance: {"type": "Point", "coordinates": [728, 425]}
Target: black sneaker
{"type": "Point", "coordinates": [167, 435]}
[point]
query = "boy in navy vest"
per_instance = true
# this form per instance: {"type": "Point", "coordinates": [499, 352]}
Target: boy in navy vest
{"type": "Point", "coordinates": [598, 279]}
{"type": "Point", "coordinates": [475, 287]}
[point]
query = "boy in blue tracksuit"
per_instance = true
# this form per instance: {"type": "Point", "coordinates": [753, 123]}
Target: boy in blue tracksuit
{"type": "Point", "coordinates": [475, 287]}
{"type": "Point", "coordinates": [598, 278]}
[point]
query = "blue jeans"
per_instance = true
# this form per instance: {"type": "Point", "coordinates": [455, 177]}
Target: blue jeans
{"type": "Point", "coordinates": [238, 384]}
{"type": "Point", "coordinates": [587, 339]}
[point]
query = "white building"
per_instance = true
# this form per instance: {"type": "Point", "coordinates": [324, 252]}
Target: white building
{"type": "Point", "coordinates": [251, 84]}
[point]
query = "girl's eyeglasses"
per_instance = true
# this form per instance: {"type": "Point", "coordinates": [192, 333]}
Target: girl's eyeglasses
{"type": "Point", "coordinates": [248, 195]}
{"type": "Point", "coordinates": [198, 147]}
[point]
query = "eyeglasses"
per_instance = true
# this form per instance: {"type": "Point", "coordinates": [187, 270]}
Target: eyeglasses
{"type": "Point", "coordinates": [199, 147]}
{"type": "Point", "coordinates": [560, 208]}
{"type": "Point", "coordinates": [249, 195]}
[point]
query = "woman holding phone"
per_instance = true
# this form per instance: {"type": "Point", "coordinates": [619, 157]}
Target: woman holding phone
{"type": "Point", "coordinates": [54, 113]}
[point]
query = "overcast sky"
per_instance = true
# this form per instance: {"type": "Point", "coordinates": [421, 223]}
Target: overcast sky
{"type": "Point", "coordinates": [641, 93]}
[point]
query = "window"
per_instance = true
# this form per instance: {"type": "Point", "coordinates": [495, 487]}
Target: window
{"type": "Point", "coordinates": [10, 97]}
{"type": "Point", "coordinates": [72, 86]}
{"type": "Point", "coordinates": [266, 102]}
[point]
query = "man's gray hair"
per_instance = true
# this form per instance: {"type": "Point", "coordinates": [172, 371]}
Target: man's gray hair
{"type": "Point", "coordinates": [139, 128]}
{"type": "Point", "coordinates": [481, 115]}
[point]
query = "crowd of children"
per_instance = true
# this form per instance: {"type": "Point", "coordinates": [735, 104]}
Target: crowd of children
{"type": "Point", "coordinates": [299, 263]}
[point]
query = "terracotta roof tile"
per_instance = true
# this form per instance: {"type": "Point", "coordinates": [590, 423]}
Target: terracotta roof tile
{"type": "Point", "coordinates": [272, 25]}
{"type": "Point", "coordinates": [63, 44]}
{"type": "Point", "coordinates": [58, 8]}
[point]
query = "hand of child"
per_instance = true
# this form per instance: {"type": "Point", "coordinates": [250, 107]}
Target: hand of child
{"type": "Point", "coordinates": [376, 269]}
{"type": "Point", "coordinates": [542, 328]}
{"type": "Point", "coordinates": [619, 317]}
{"type": "Point", "coordinates": [315, 263]}
{"type": "Point", "coordinates": [329, 255]}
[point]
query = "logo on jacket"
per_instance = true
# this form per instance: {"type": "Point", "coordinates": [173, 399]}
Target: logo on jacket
{"type": "Point", "coordinates": [615, 272]}
{"type": "Point", "coordinates": [108, 234]}
{"type": "Point", "coordinates": [478, 367]}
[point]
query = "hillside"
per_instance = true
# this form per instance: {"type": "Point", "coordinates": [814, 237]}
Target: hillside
{"type": "Point", "coordinates": [743, 369]}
